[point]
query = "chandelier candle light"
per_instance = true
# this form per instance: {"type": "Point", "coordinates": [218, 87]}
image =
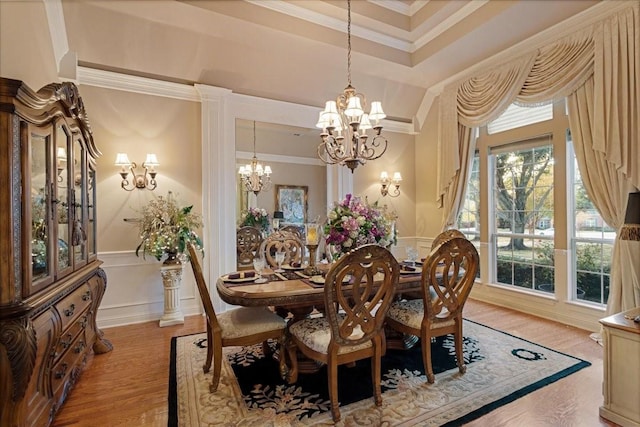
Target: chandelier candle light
{"type": "Point", "coordinates": [344, 124]}
{"type": "Point", "coordinates": [254, 177]}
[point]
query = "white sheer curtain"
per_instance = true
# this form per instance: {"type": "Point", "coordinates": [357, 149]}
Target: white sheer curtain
{"type": "Point", "coordinates": [605, 53]}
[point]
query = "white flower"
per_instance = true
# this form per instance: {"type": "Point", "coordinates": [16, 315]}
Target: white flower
{"type": "Point", "coordinates": [361, 220]}
{"type": "Point", "coordinates": [333, 215]}
{"type": "Point", "coordinates": [347, 243]}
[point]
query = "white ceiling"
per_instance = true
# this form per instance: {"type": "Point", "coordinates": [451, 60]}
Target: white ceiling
{"type": "Point", "coordinates": [403, 51]}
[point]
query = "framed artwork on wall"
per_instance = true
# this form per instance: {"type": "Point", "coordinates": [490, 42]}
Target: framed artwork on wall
{"type": "Point", "coordinates": [292, 201]}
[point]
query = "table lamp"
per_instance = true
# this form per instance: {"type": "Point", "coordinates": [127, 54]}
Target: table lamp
{"type": "Point", "coordinates": [631, 228]}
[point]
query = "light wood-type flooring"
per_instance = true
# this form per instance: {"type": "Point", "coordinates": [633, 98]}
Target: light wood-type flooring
{"type": "Point", "coordinates": [128, 386]}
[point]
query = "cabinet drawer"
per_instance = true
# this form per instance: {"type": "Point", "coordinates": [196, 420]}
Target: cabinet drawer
{"type": "Point", "coordinates": [68, 336]}
{"type": "Point", "coordinates": [70, 361]}
{"type": "Point", "coordinates": [71, 307]}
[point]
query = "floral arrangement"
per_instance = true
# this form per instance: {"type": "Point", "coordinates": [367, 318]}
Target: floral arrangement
{"type": "Point", "coordinates": [256, 217]}
{"type": "Point", "coordinates": [166, 228]}
{"type": "Point", "coordinates": [352, 223]}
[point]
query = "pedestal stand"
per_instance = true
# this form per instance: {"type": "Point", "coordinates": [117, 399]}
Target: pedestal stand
{"type": "Point", "coordinates": [171, 280]}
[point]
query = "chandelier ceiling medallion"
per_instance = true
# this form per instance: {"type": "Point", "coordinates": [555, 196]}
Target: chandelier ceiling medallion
{"type": "Point", "coordinates": [254, 177]}
{"type": "Point", "coordinates": [344, 124]}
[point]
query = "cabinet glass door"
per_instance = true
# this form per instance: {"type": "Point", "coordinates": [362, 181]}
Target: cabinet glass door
{"type": "Point", "coordinates": [78, 231]}
{"type": "Point", "coordinates": [91, 197]}
{"type": "Point", "coordinates": [62, 199]}
{"type": "Point", "coordinates": [40, 233]}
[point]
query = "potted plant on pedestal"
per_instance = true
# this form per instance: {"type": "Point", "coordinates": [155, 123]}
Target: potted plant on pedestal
{"type": "Point", "coordinates": [165, 230]}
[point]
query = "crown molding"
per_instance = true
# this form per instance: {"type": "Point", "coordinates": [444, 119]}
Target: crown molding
{"type": "Point", "coordinates": [264, 158]}
{"type": "Point", "coordinates": [143, 85]}
{"type": "Point", "coordinates": [249, 107]}
{"type": "Point", "coordinates": [333, 23]}
{"type": "Point", "coordinates": [57, 29]}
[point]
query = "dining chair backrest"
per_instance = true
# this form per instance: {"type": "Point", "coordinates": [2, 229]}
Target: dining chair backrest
{"type": "Point", "coordinates": [248, 240]}
{"type": "Point", "coordinates": [448, 274]}
{"type": "Point", "coordinates": [282, 241]}
{"type": "Point", "coordinates": [296, 230]}
{"type": "Point", "coordinates": [358, 290]}
{"type": "Point", "coordinates": [446, 235]}
{"type": "Point", "coordinates": [202, 288]}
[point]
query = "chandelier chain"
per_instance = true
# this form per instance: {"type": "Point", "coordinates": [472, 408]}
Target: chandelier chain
{"type": "Point", "coordinates": [349, 41]}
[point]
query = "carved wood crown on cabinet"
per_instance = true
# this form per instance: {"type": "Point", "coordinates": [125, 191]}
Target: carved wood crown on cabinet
{"type": "Point", "coordinates": [51, 283]}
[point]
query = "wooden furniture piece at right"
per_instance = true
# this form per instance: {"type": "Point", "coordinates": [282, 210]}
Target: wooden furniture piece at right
{"type": "Point", "coordinates": [621, 360]}
{"type": "Point", "coordinates": [51, 283]}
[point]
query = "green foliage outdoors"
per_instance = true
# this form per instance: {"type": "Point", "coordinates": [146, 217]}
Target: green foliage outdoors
{"type": "Point", "coordinates": [593, 269]}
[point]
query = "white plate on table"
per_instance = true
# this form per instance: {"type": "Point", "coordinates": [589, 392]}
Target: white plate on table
{"type": "Point", "coordinates": [320, 280]}
{"type": "Point", "coordinates": [291, 268]}
{"type": "Point", "coordinates": [239, 279]}
{"type": "Point", "coordinates": [417, 270]}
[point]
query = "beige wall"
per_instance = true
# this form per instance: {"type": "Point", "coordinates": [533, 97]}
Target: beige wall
{"type": "Point", "coordinates": [26, 51]}
{"type": "Point", "coordinates": [428, 215]}
{"type": "Point", "coordinates": [398, 158]}
{"type": "Point", "coordinates": [140, 124]}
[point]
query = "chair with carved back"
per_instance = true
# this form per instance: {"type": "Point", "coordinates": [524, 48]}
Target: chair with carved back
{"type": "Point", "coordinates": [282, 241]}
{"type": "Point", "coordinates": [352, 328]}
{"type": "Point", "coordinates": [442, 237]}
{"type": "Point", "coordinates": [238, 327]}
{"type": "Point", "coordinates": [295, 229]}
{"type": "Point", "coordinates": [248, 240]}
{"type": "Point", "coordinates": [446, 235]}
{"type": "Point", "coordinates": [448, 274]}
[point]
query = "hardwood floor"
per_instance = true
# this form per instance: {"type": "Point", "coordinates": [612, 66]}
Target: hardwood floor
{"type": "Point", "coordinates": [128, 386]}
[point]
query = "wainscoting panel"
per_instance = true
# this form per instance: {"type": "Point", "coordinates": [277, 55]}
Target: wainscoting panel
{"type": "Point", "coordinates": [134, 290]}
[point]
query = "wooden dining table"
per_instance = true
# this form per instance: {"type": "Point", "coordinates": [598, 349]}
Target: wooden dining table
{"type": "Point", "coordinates": [294, 296]}
{"type": "Point", "coordinates": [290, 292]}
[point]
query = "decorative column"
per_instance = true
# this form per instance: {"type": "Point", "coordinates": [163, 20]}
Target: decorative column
{"type": "Point", "coordinates": [171, 272]}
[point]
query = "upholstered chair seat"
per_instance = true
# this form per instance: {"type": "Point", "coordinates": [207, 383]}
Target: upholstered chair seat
{"type": "Point", "coordinates": [245, 321]}
{"type": "Point", "coordinates": [411, 313]}
{"type": "Point", "coordinates": [316, 334]}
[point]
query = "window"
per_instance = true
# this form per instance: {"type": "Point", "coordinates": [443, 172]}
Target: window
{"type": "Point", "coordinates": [592, 245]}
{"type": "Point", "coordinates": [543, 237]}
{"type": "Point", "coordinates": [522, 203]}
{"type": "Point", "coordinates": [469, 216]}
{"type": "Point", "coordinates": [515, 117]}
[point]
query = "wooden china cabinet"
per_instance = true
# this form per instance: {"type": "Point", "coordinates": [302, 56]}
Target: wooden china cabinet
{"type": "Point", "coordinates": [51, 283]}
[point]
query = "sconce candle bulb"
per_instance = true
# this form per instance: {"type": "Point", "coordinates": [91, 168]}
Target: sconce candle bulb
{"type": "Point", "coordinates": [142, 180]}
{"type": "Point", "coordinates": [390, 187]}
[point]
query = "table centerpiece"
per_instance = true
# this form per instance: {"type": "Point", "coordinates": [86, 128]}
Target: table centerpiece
{"type": "Point", "coordinates": [353, 222]}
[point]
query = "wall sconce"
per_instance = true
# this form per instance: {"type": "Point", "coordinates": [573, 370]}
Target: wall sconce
{"type": "Point", "coordinates": [390, 187]}
{"type": "Point", "coordinates": [141, 180]}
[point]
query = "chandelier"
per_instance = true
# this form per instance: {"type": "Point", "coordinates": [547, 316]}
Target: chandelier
{"type": "Point", "coordinates": [254, 177]}
{"type": "Point", "coordinates": [344, 124]}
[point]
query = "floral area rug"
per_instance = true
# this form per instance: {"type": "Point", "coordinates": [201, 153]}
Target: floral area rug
{"type": "Point", "coordinates": [500, 369]}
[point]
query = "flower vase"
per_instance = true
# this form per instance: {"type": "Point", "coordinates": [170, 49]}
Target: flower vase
{"type": "Point", "coordinates": [171, 272]}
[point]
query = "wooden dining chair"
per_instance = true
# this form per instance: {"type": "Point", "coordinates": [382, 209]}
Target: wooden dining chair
{"type": "Point", "coordinates": [352, 328]}
{"type": "Point", "coordinates": [282, 241]}
{"type": "Point", "coordinates": [446, 235]}
{"type": "Point", "coordinates": [296, 230]}
{"type": "Point", "coordinates": [248, 240]}
{"type": "Point", "coordinates": [238, 327]}
{"type": "Point", "coordinates": [448, 274]}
